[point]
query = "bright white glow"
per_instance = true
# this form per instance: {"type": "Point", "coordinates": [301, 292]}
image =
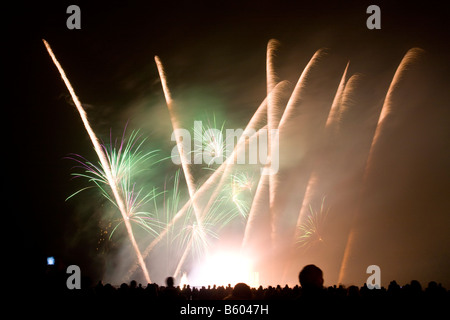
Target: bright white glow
{"type": "Point", "coordinates": [225, 268]}
{"type": "Point", "coordinates": [184, 280]}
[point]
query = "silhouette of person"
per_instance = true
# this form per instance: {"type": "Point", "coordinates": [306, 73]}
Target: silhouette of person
{"type": "Point", "coordinates": [152, 291]}
{"type": "Point", "coordinates": [241, 291]}
{"type": "Point", "coordinates": [170, 292]}
{"type": "Point", "coordinates": [311, 280]}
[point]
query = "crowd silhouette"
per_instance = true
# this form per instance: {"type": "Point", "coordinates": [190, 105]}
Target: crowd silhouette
{"type": "Point", "coordinates": [309, 289]}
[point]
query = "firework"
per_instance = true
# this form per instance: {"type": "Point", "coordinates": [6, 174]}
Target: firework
{"type": "Point", "coordinates": [176, 127]}
{"type": "Point", "coordinates": [217, 178]}
{"type": "Point", "coordinates": [126, 161]}
{"type": "Point", "coordinates": [273, 110]}
{"type": "Point", "coordinates": [298, 90]}
{"type": "Point", "coordinates": [258, 209]}
{"type": "Point", "coordinates": [209, 144]}
{"type": "Point", "coordinates": [192, 222]}
{"type": "Point", "coordinates": [311, 230]}
{"type": "Point", "coordinates": [241, 189]}
{"type": "Point", "coordinates": [274, 189]}
{"type": "Point", "coordinates": [196, 238]}
{"type": "Point", "coordinates": [103, 160]}
{"type": "Point", "coordinates": [330, 125]}
{"type": "Point", "coordinates": [410, 57]}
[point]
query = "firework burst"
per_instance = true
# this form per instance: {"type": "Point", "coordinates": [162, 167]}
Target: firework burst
{"type": "Point", "coordinates": [209, 144]}
{"type": "Point", "coordinates": [241, 185]}
{"type": "Point", "coordinates": [312, 229]}
{"type": "Point", "coordinates": [126, 160]}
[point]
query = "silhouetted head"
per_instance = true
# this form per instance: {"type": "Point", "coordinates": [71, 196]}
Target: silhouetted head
{"type": "Point", "coordinates": [311, 277]}
{"type": "Point", "coordinates": [241, 291]}
{"type": "Point", "coordinates": [169, 281]}
{"type": "Point", "coordinates": [416, 286]}
{"type": "Point", "coordinates": [152, 290]}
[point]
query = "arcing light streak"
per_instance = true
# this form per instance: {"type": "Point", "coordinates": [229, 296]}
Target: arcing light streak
{"type": "Point", "coordinates": [337, 102]}
{"type": "Point", "coordinates": [298, 90]}
{"type": "Point", "coordinates": [273, 115]}
{"type": "Point", "coordinates": [175, 125]}
{"type": "Point", "coordinates": [288, 114]}
{"type": "Point", "coordinates": [124, 161]}
{"type": "Point", "coordinates": [260, 205]}
{"type": "Point", "coordinates": [103, 160]}
{"type": "Point", "coordinates": [409, 58]}
{"type": "Point", "coordinates": [331, 121]}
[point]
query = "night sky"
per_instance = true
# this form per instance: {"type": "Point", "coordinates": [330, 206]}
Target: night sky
{"type": "Point", "coordinates": [217, 50]}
